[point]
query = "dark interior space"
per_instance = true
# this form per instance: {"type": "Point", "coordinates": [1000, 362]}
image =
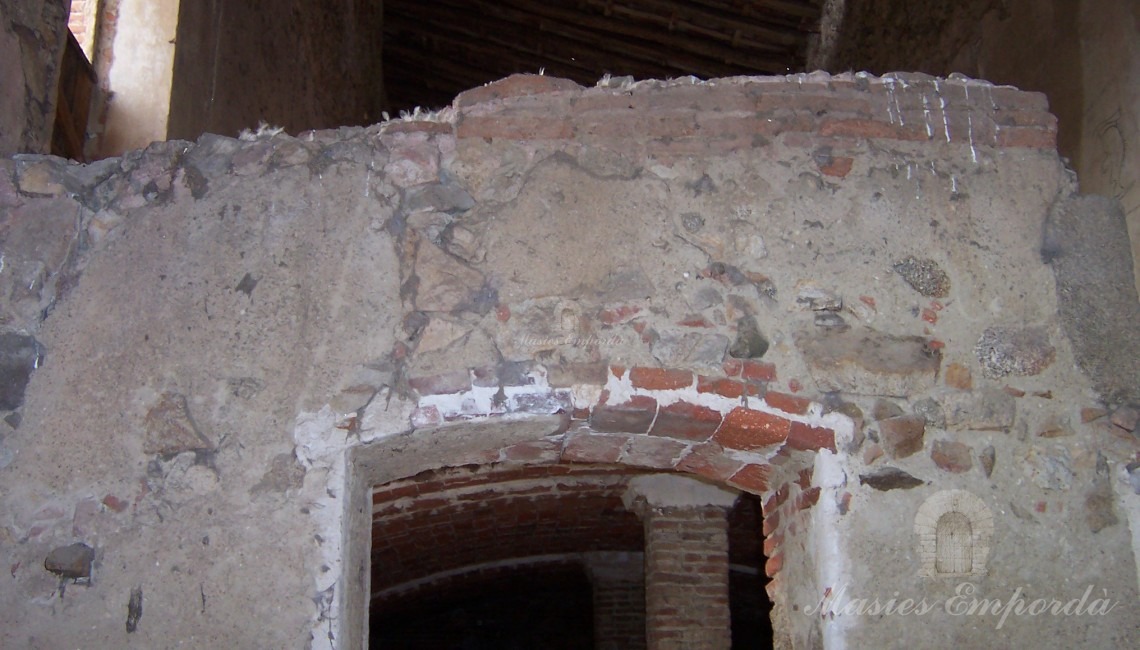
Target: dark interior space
{"type": "Point", "coordinates": [433, 51]}
{"type": "Point", "coordinates": [496, 558]}
{"type": "Point", "coordinates": [546, 606]}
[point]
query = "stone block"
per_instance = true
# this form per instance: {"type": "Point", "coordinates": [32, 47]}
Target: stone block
{"type": "Point", "coordinates": [986, 410]}
{"type": "Point", "coordinates": [586, 447]}
{"type": "Point", "coordinates": [19, 356]}
{"type": "Point", "coordinates": [866, 362]}
{"type": "Point", "coordinates": [889, 478]}
{"type": "Point", "coordinates": [170, 430]}
{"type": "Point", "coordinates": [1006, 351]}
{"type": "Point", "coordinates": [952, 456]}
{"type": "Point", "coordinates": [652, 452]}
{"type": "Point", "coordinates": [902, 436]}
{"type": "Point", "coordinates": [72, 562]}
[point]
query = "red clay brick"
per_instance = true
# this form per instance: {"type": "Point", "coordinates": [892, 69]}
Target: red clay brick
{"type": "Point", "coordinates": [696, 98]}
{"type": "Point", "coordinates": [787, 403]}
{"type": "Point", "coordinates": [420, 126]}
{"type": "Point", "coordinates": [776, 500]}
{"type": "Point", "coordinates": [516, 85]}
{"type": "Point", "coordinates": [426, 416]}
{"type": "Point", "coordinates": [774, 564]}
{"type": "Point", "coordinates": [624, 125]}
{"type": "Point", "coordinates": [114, 503]}
{"type": "Point", "coordinates": [772, 544]}
{"type": "Point", "coordinates": [1010, 98]}
{"type": "Point", "coordinates": [686, 421]}
{"type": "Point", "coordinates": [839, 167]}
{"type": "Point", "coordinates": [771, 522]}
{"type": "Point", "coordinates": [593, 448]}
{"type": "Point", "coordinates": [808, 438]}
{"type": "Point", "coordinates": [803, 479]}
{"type": "Point", "coordinates": [720, 386]}
{"type": "Point", "coordinates": [695, 320]}
{"type": "Point", "coordinates": [807, 498]}
{"type": "Point", "coordinates": [539, 450]}
{"type": "Point", "coordinates": [732, 367]}
{"type": "Point", "coordinates": [752, 478]}
{"type": "Point", "coordinates": [1027, 137]}
{"type": "Point", "coordinates": [634, 416]}
{"type": "Point", "coordinates": [870, 129]}
{"type": "Point", "coordinates": [660, 378]}
{"type": "Point", "coordinates": [747, 429]}
{"type": "Point", "coordinates": [709, 460]}
{"type": "Point", "coordinates": [619, 314]}
{"type": "Point", "coordinates": [757, 371]}
{"type": "Point", "coordinates": [514, 128]}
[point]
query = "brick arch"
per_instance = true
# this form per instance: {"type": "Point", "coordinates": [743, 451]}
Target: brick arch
{"type": "Point", "coordinates": [723, 428]}
{"type": "Point", "coordinates": [727, 428]}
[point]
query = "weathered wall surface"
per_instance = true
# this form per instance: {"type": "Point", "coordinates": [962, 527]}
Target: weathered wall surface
{"type": "Point", "coordinates": [829, 291]}
{"type": "Point", "coordinates": [301, 66]}
{"type": "Point", "coordinates": [1082, 54]}
{"type": "Point", "coordinates": [32, 34]}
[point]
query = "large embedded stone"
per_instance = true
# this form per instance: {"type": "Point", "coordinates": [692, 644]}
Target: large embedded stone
{"type": "Point", "coordinates": [1006, 351]}
{"type": "Point", "coordinates": [889, 478]}
{"type": "Point", "coordinates": [1086, 242]}
{"type": "Point", "coordinates": [749, 343]}
{"type": "Point", "coordinates": [866, 362]}
{"type": "Point", "coordinates": [986, 410]}
{"type": "Point", "coordinates": [170, 430]}
{"type": "Point", "coordinates": [952, 456]}
{"type": "Point", "coordinates": [902, 436]}
{"type": "Point", "coordinates": [924, 276]}
{"type": "Point", "coordinates": [19, 356]}
{"type": "Point", "coordinates": [445, 283]}
{"type": "Point", "coordinates": [72, 562]}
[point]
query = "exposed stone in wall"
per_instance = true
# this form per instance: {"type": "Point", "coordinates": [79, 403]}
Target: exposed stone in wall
{"type": "Point", "coordinates": [557, 276]}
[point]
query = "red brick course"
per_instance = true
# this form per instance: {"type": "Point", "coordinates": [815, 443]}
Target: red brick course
{"type": "Point", "coordinates": [682, 119]}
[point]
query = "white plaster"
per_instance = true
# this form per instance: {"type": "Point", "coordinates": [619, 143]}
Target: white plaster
{"type": "Point", "coordinates": [1128, 501]}
{"type": "Point", "coordinates": [322, 449]}
{"type": "Point", "coordinates": [827, 533]}
{"type": "Point", "coordinates": [674, 491]}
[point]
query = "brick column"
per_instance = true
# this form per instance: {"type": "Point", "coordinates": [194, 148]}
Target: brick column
{"type": "Point", "coordinates": [618, 581]}
{"type": "Point", "coordinates": [686, 561]}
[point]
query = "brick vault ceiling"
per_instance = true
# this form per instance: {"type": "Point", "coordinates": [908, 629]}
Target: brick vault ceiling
{"type": "Point", "coordinates": [453, 528]}
{"type": "Point", "coordinates": [434, 50]}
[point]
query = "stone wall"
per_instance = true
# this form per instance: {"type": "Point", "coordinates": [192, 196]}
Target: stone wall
{"type": "Point", "coordinates": [838, 293]}
{"type": "Point", "coordinates": [32, 35]}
